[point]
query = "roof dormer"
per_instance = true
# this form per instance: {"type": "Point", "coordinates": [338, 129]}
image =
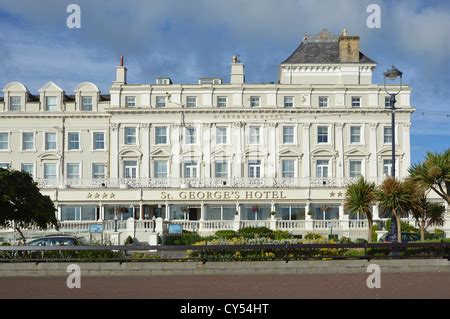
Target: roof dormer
{"type": "Point", "coordinates": [51, 97]}
{"type": "Point", "coordinates": [15, 96]}
{"type": "Point", "coordinates": [86, 97]}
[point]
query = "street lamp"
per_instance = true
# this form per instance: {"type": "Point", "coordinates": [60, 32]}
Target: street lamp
{"type": "Point", "coordinates": [115, 220]}
{"type": "Point", "coordinates": [392, 74]}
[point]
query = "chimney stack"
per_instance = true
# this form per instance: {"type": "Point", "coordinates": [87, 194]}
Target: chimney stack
{"type": "Point", "coordinates": [121, 72]}
{"type": "Point", "coordinates": [237, 75]}
{"type": "Point", "coordinates": [348, 48]}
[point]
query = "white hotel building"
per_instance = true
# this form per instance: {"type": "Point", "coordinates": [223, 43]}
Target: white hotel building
{"type": "Point", "coordinates": [214, 154]}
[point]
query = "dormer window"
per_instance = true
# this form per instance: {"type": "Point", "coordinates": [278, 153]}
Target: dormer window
{"type": "Point", "coordinates": [50, 103]}
{"type": "Point", "coordinates": [86, 103]}
{"type": "Point", "coordinates": [15, 103]}
{"type": "Point", "coordinates": [130, 101]}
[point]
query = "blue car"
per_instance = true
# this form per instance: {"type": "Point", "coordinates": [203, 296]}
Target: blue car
{"type": "Point", "coordinates": [406, 238]}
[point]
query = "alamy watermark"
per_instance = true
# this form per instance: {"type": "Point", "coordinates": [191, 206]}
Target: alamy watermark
{"type": "Point", "coordinates": [374, 279]}
{"type": "Point", "coordinates": [374, 19]}
{"type": "Point", "coordinates": [74, 19]}
{"type": "Point", "coordinates": [74, 279]}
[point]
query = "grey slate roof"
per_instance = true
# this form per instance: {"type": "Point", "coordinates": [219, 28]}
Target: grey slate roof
{"type": "Point", "coordinates": [320, 52]}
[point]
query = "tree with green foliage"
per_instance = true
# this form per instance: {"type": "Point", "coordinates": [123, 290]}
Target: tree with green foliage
{"type": "Point", "coordinates": [398, 197]}
{"type": "Point", "coordinates": [21, 203]}
{"type": "Point", "coordinates": [434, 173]}
{"type": "Point", "coordinates": [359, 198]}
{"type": "Point", "coordinates": [427, 214]}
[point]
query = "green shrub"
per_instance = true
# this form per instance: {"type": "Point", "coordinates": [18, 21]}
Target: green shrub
{"type": "Point", "coordinates": [374, 233]}
{"type": "Point", "coordinates": [360, 240]}
{"type": "Point", "coordinates": [405, 227]}
{"type": "Point", "coordinates": [313, 236]}
{"type": "Point", "coordinates": [225, 234]}
{"type": "Point", "coordinates": [345, 240]}
{"type": "Point", "coordinates": [129, 241]}
{"type": "Point", "coordinates": [281, 235]}
{"type": "Point", "coordinates": [255, 232]}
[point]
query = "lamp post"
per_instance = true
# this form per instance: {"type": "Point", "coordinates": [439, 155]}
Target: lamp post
{"type": "Point", "coordinates": [115, 220]}
{"type": "Point", "coordinates": [392, 74]}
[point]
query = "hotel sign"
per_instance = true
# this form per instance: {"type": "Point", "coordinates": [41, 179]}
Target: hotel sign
{"type": "Point", "coordinates": [223, 194]}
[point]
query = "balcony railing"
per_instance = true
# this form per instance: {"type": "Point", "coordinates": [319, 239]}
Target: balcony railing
{"type": "Point", "coordinates": [237, 182]}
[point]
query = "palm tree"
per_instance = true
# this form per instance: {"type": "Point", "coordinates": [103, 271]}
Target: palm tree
{"type": "Point", "coordinates": [428, 214]}
{"type": "Point", "coordinates": [434, 173]}
{"type": "Point", "coordinates": [397, 197]}
{"type": "Point", "coordinates": [359, 198]}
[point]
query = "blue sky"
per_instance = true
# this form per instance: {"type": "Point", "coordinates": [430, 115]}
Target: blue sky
{"type": "Point", "coordinates": [190, 39]}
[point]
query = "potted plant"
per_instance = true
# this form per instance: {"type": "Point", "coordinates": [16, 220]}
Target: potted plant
{"type": "Point", "coordinates": [255, 208]}
{"type": "Point", "coordinates": [185, 209]}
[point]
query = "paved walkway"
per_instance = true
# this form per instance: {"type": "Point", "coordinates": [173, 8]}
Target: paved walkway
{"type": "Point", "coordinates": [408, 285]}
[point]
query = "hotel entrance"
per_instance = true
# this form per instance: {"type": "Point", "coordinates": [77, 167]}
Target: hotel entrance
{"type": "Point", "coordinates": [194, 213]}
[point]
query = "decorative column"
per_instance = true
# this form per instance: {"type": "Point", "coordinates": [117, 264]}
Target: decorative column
{"type": "Point", "coordinates": [237, 217]}
{"type": "Point", "coordinates": [308, 218]}
{"type": "Point", "coordinates": [102, 212]}
{"type": "Point", "coordinates": [373, 163]}
{"type": "Point", "coordinates": [237, 128]}
{"type": "Point", "coordinates": [114, 154]}
{"type": "Point", "coordinates": [306, 152]}
{"type": "Point", "coordinates": [272, 146]}
{"type": "Point", "coordinates": [340, 150]}
{"type": "Point", "coordinates": [58, 213]}
{"type": "Point", "coordinates": [176, 150]}
{"type": "Point", "coordinates": [167, 217]}
{"type": "Point", "coordinates": [206, 140]}
{"type": "Point", "coordinates": [146, 150]}
{"type": "Point", "coordinates": [406, 148]}
{"type": "Point", "coordinates": [141, 210]}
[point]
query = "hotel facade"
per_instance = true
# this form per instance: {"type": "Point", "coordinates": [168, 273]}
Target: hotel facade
{"type": "Point", "coordinates": [213, 154]}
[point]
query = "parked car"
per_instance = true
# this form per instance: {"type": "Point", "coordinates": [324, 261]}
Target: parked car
{"type": "Point", "coordinates": [406, 238]}
{"type": "Point", "coordinates": [57, 240]}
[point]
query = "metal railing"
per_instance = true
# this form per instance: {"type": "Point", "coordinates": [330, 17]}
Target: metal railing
{"type": "Point", "coordinates": [204, 253]}
{"type": "Point", "coordinates": [235, 182]}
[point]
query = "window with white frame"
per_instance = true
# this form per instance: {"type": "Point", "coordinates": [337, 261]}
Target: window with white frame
{"type": "Point", "coordinates": [288, 168]}
{"type": "Point", "coordinates": [98, 170]}
{"type": "Point", "coordinates": [86, 103]}
{"type": "Point", "coordinates": [4, 165]}
{"type": "Point", "coordinates": [27, 168]}
{"type": "Point", "coordinates": [221, 169]}
{"type": "Point", "coordinates": [254, 135]}
{"type": "Point", "coordinates": [99, 140]}
{"type": "Point", "coordinates": [288, 101]}
{"type": "Point", "coordinates": [130, 101]}
{"type": "Point", "coordinates": [356, 101]}
{"type": "Point", "coordinates": [254, 168]}
{"type": "Point", "coordinates": [161, 135]}
{"type": "Point", "coordinates": [387, 101]}
{"type": "Point", "coordinates": [130, 169]}
{"type": "Point", "coordinates": [288, 134]}
{"type": "Point", "coordinates": [50, 171]}
{"type": "Point", "coordinates": [160, 101]}
{"type": "Point", "coordinates": [355, 134]}
{"type": "Point", "coordinates": [73, 140]}
{"type": "Point", "coordinates": [15, 103]}
{"type": "Point", "coordinates": [323, 101]}
{"type": "Point", "coordinates": [221, 135]}
{"type": "Point", "coordinates": [322, 134]}
{"type": "Point", "coordinates": [387, 167]}
{"type": "Point", "coordinates": [160, 169]}
{"type": "Point", "coordinates": [255, 101]}
{"type": "Point", "coordinates": [50, 141]}
{"type": "Point", "coordinates": [191, 135]}
{"type": "Point", "coordinates": [4, 141]}
{"type": "Point", "coordinates": [387, 134]}
{"type": "Point", "coordinates": [191, 101]}
{"type": "Point", "coordinates": [130, 134]}
{"type": "Point", "coordinates": [222, 101]}
{"type": "Point", "coordinates": [73, 171]}
{"type": "Point", "coordinates": [355, 168]}
{"type": "Point", "coordinates": [322, 168]}
{"type": "Point", "coordinates": [190, 169]}
{"type": "Point", "coordinates": [50, 103]}
{"type": "Point", "coordinates": [27, 141]}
